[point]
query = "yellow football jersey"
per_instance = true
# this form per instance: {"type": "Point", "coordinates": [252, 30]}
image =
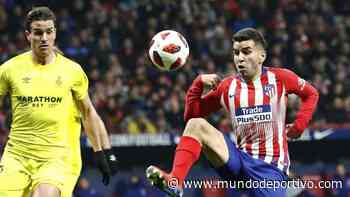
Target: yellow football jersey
{"type": "Point", "coordinates": [41, 103]}
{"type": "Point", "coordinates": [73, 161]}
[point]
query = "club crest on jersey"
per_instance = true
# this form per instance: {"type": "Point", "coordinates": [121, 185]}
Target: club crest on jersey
{"type": "Point", "coordinates": [26, 79]}
{"type": "Point", "coordinates": [59, 81]}
{"type": "Point", "coordinates": [269, 90]}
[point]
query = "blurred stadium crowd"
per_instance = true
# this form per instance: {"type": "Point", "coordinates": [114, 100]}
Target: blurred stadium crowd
{"type": "Point", "coordinates": [109, 38]}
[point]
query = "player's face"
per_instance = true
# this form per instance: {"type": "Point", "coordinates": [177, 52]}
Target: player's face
{"type": "Point", "coordinates": [248, 58]}
{"type": "Point", "coordinates": [42, 37]}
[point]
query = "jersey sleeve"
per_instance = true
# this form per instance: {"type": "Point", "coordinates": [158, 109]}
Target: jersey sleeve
{"type": "Point", "coordinates": [197, 105]}
{"type": "Point", "coordinates": [4, 83]}
{"type": "Point", "coordinates": [306, 92]}
{"type": "Point", "coordinates": [80, 83]}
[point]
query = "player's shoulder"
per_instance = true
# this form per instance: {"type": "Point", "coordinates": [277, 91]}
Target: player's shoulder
{"type": "Point", "coordinates": [279, 71]}
{"type": "Point", "coordinates": [17, 60]}
{"type": "Point", "coordinates": [226, 81]}
{"type": "Point", "coordinates": [275, 69]}
{"type": "Point", "coordinates": [68, 63]}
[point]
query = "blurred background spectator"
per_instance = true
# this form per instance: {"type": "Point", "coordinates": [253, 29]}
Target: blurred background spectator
{"type": "Point", "coordinates": [109, 39]}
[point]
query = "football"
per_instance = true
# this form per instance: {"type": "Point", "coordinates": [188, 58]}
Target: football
{"type": "Point", "coordinates": [168, 50]}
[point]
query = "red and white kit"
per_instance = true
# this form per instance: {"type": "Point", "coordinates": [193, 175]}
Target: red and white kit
{"type": "Point", "coordinates": [257, 110]}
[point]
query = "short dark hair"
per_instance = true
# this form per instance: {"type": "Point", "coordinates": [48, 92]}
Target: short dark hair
{"type": "Point", "coordinates": [41, 13]}
{"type": "Point", "coordinates": [250, 34]}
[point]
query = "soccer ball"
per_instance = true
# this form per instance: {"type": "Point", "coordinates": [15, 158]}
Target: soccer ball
{"type": "Point", "coordinates": [168, 50]}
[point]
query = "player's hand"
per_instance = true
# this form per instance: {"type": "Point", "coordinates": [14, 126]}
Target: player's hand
{"type": "Point", "coordinates": [103, 166]}
{"type": "Point", "coordinates": [292, 132]}
{"type": "Point", "coordinates": [211, 80]}
{"type": "Point", "coordinates": [112, 161]}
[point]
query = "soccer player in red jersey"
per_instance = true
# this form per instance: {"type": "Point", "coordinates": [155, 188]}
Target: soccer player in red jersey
{"type": "Point", "coordinates": [256, 100]}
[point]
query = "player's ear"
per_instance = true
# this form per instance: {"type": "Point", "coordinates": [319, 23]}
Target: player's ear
{"type": "Point", "coordinates": [27, 34]}
{"type": "Point", "coordinates": [262, 57]}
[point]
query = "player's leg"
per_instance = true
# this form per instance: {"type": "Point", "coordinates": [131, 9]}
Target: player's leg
{"type": "Point", "coordinates": [48, 178]}
{"type": "Point", "coordinates": [14, 178]}
{"type": "Point", "coordinates": [198, 135]}
{"type": "Point", "coordinates": [46, 189]}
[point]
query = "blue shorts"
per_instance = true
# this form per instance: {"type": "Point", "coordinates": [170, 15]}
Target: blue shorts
{"type": "Point", "coordinates": [243, 167]}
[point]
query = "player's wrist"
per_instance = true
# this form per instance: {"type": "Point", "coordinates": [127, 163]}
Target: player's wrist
{"type": "Point", "coordinates": [298, 127]}
{"type": "Point", "coordinates": [107, 150]}
{"type": "Point", "coordinates": [292, 131]}
{"type": "Point", "coordinates": [99, 153]}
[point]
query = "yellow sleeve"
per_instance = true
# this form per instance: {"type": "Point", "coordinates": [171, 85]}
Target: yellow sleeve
{"type": "Point", "coordinates": [4, 84]}
{"type": "Point", "coordinates": [80, 84]}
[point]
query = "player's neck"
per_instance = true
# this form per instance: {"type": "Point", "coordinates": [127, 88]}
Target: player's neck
{"type": "Point", "coordinates": [254, 77]}
{"type": "Point", "coordinates": [257, 75]}
{"type": "Point", "coordinates": [44, 60]}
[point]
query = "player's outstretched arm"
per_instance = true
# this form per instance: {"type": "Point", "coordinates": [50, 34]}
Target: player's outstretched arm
{"type": "Point", "coordinates": [98, 136]}
{"type": "Point", "coordinates": [197, 105]}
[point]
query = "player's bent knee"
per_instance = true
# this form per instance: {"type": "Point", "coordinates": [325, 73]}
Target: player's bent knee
{"type": "Point", "coordinates": [199, 128]}
{"type": "Point", "coordinates": [195, 126]}
{"type": "Point", "coordinates": [45, 189]}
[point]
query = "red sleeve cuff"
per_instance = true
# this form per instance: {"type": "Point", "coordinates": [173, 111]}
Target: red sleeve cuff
{"type": "Point", "coordinates": [198, 82]}
{"type": "Point", "coordinates": [299, 127]}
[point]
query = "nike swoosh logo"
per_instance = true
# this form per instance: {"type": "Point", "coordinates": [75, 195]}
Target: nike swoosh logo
{"type": "Point", "coordinates": [323, 134]}
{"type": "Point", "coordinates": [231, 95]}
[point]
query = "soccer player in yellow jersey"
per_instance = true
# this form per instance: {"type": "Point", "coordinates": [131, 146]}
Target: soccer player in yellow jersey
{"type": "Point", "coordinates": [43, 87]}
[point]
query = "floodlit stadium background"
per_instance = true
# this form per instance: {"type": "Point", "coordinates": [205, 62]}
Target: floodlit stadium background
{"type": "Point", "coordinates": [143, 108]}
